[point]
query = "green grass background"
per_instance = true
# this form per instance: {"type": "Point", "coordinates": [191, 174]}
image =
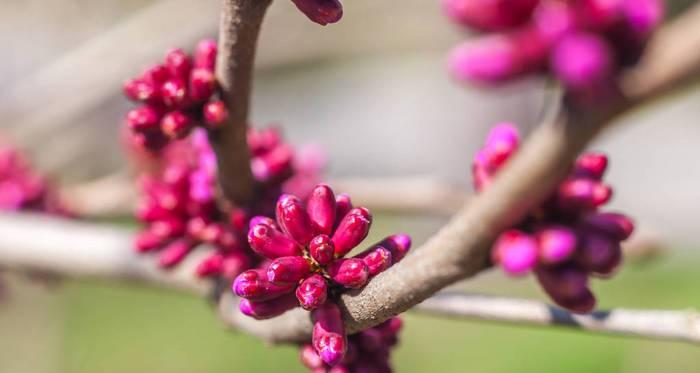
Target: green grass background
{"type": "Point", "coordinates": [88, 327]}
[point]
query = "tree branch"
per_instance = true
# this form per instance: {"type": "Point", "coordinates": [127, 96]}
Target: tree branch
{"type": "Point", "coordinates": [238, 37]}
{"type": "Point", "coordinates": [81, 250]}
{"type": "Point", "coordinates": [652, 324]}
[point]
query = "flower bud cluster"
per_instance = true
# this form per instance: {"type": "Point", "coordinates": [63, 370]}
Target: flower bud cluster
{"type": "Point", "coordinates": [176, 96]}
{"type": "Point", "coordinates": [307, 246]}
{"type": "Point", "coordinates": [367, 351]}
{"type": "Point", "coordinates": [583, 43]}
{"type": "Point", "coordinates": [565, 240]}
{"type": "Point", "coordinates": [23, 188]}
{"type": "Point", "coordinates": [322, 12]}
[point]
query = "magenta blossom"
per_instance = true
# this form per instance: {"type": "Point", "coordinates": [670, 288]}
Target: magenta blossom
{"type": "Point", "coordinates": [566, 239]}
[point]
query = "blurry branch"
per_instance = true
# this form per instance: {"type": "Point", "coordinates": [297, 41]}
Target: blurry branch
{"type": "Point", "coordinates": [238, 38]}
{"type": "Point", "coordinates": [653, 324]}
{"type": "Point", "coordinates": [41, 244]}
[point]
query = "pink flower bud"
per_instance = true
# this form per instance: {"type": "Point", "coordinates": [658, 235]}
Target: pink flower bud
{"type": "Point", "coordinates": [178, 63]}
{"type": "Point", "coordinates": [174, 253]}
{"type": "Point", "coordinates": [215, 114]}
{"type": "Point", "coordinates": [262, 220]}
{"type": "Point", "coordinates": [288, 270]}
{"type": "Point", "coordinates": [263, 140]}
{"type": "Point", "coordinates": [168, 228]}
{"type": "Point", "coordinates": [321, 249]}
{"type": "Point", "coordinates": [643, 16]}
{"type": "Point", "coordinates": [139, 90]}
{"type": "Point", "coordinates": [328, 337]}
{"type": "Point", "coordinates": [617, 226]}
{"type": "Point", "coordinates": [321, 209]}
{"type": "Point", "coordinates": [377, 259]}
{"type": "Point", "coordinates": [563, 283]}
{"type": "Point", "coordinates": [398, 244]}
{"type": "Point", "coordinates": [582, 61]}
{"type": "Point", "coordinates": [596, 252]}
{"type": "Point", "coordinates": [591, 165]}
{"type": "Point", "coordinates": [352, 230]}
{"type": "Point", "coordinates": [351, 273]}
{"type": "Point", "coordinates": [271, 243]}
{"type": "Point", "coordinates": [312, 292]}
{"type": "Point", "coordinates": [156, 74]}
{"type": "Point", "coordinates": [489, 15]}
{"type": "Point", "coordinates": [556, 244]}
{"type": "Point", "coordinates": [205, 54]}
{"type": "Point", "coordinates": [148, 241]}
{"type": "Point", "coordinates": [202, 84]}
{"type": "Point", "coordinates": [293, 219]}
{"type": "Point", "coordinates": [343, 205]}
{"type": "Point", "coordinates": [210, 266]}
{"type": "Point", "coordinates": [176, 125]}
{"type": "Point", "coordinates": [174, 93]}
{"type": "Point", "coordinates": [253, 284]}
{"type": "Point", "coordinates": [584, 303]}
{"type": "Point", "coordinates": [273, 165]}
{"type": "Point", "coordinates": [515, 252]}
{"type": "Point", "coordinates": [501, 143]}
{"type": "Point", "coordinates": [554, 20]}
{"type": "Point", "coordinates": [598, 15]}
{"type": "Point", "coordinates": [261, 310]}
{"type": "Point", "coordinates": [143, 118]}
{"type": "Point", "coordinates": [322, 12]}
{"type": "Point", "coordinates": [582, 194]}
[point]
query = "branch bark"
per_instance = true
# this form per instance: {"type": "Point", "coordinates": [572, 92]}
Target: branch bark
{"type": "Point", "coordinates": [238, 36]}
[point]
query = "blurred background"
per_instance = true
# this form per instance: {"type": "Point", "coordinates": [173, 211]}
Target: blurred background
{"type": "Point", "coordinates": [374, 92]}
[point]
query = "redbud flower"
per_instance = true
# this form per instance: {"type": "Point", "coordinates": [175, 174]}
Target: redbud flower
{"type": "Point", "coordinates": [566, 239]}
{"type": "Point", "coordinates": [328, 336]}
{"type": "Point", "coordinates": [322, 12]}
{"type": "Point", "coordinates": [582, 61]}
{"type": "Point", "coordinates": [489, 14]}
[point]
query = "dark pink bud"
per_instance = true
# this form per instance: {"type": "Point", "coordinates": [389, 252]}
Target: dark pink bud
{"type": "Point", "coordinates": [554, 20]}
{"type": "Point", "coordinates": [234, 264]}
{"type": "Point", "coordinates": [563, 283]}
{"type": "Point", "coordinates": [582, 61]}
{"type": "Point", "coordinates": [598, 15]}
{"type": "Point", "coordinates": [168, 228]}
{"type": "Point", "coordinates": [273, 165]}
{"type": "Point", "coordinates": [288, 270]}
{"type": "Point", "coordinates": [176, 125]}
{"type": "Point", "coordinates": [321, 249]}
{"type": "Point", "coordinates": [617, 226]}
{"type": "Point", "coordinates": [202, 84]}
{"type": "Point", "coordinates": [328, 336]}
{"type": "Point", "coordinates": [321, 209]}
{"type": "Point", "coordinates": [178, 63]}
{"type": "Point", "coordinates": [377, 259]}
{"type": "Point", "coordinates": [515, 252]}
{"type": "Point", "coordinates": [262, 220]}
{"type": "Point", "coordinates": [322, 12]}
{"type": "Point", "coordinates": [312, 292]}
{"type": "Point", "coordinates": [174, 253]}
{"type": "Point", "coordinates": [261, 310]}
{"type": "Point", "coordinates": [174, 93]}
{"type": "Point", "coordinates": [582, 194]}
{"type": "Point", "coordinates": [398, 244]}
{"type": "Point", "coordinates": [139, 90]}
{"type": "Point", "coordinates": [591, 165]}
{"type": "Point", "coordinates": [310, 358]}
{"type": "Point", "coordinates": [253, 284]}
{"type": "Point", "coordinates": [556, 244]}
{"type": "Point", "coordinates": [352, 230]}
{"type": "Point", "coordinates": [489, 15]}
{"type": "Point", "coordinates": [584, 303]}
{"type": "Point", "coordinates": [156, 75]}
{"type": "Point", "coordinates": [263, 140]}
{"type": "Point", "coordinates": [370, 339]}
{"type": "Point", "coordinates": [596, 252]}
{"type": "Point", "coordinates": [271, 243]}
{"type": "Point", "coordinates": [501, 143]}
{"type": "Point", "coordinates": [351, 273]}
{"type": "Point", "coordinates": [343, 205]}
{"type": "Point", "coordinates": [143, 118]}
{"type": "Point", "coordinates": [293, 219]}
{"type": "Point", "coordinates": [205, 54]}
{"type": "Point", "coordinates": [148, 241]}
{"type": "Point", "coordinates": [642, 16]}
{"type": "Point", "coordinates": [215, 114]}
{"type": "Point", "coordinates": [210, 266]}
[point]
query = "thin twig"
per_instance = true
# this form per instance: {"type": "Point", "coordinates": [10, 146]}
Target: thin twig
{"type": "Point", "coordinates": [238, 38]}
{"type": "Point", "coordinates": [653, 324]}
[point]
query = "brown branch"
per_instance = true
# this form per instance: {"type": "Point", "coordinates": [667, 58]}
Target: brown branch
{"type": "Point", "coordinates": [91, 251]}
{"type": "Point", "coordinates": [238, 38]}
{"type": "Point", "coordinates": [653, 324]}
